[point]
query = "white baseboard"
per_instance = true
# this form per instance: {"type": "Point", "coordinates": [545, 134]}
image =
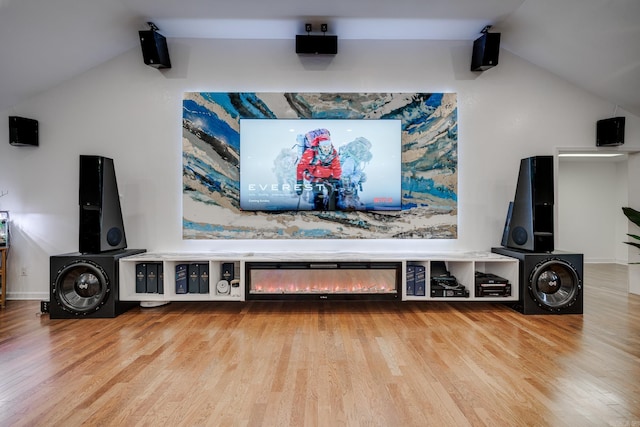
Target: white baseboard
{"type": "Point", "coordinates": [28, 296]}
{"type": "Point", "coordinates": [604, 261]}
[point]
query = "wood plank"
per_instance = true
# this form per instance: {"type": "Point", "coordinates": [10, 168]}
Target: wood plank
{"type": "Point", "coordinates": [328, 363]}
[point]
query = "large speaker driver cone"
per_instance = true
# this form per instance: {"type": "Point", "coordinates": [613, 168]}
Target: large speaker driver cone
{"type": "Point", "coordinates": [554, 284]}
{"type": "Point", "coordinates": [81, 287]}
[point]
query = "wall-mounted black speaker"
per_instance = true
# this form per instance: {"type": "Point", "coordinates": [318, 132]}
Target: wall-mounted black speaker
{"type": "Point", "coordinates": [154, 49]}
{"type": "Point", "coordinates": [486, 50]}
{"type": "Point", "coordinates": [23, 132]}
{"type": "Point", "coordinates": [101, 225]}
{"type": "Point", "coordinates": [316, 45]}
{"type": "Point", "coordinates": [610, 132]}
{"type": "Point", "coordinates": [529, 224]}
{"type": "Point", "coordinates": [549, 283]}
{"type": "Point", "coordinates": [86, 286]}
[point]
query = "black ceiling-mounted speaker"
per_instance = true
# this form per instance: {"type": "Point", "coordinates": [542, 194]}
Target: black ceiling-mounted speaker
{"type": "Point", "coordinates": [486, 50]}
{"type": "Point", "coordinates": [23, 132]}
{"type": "Point", "coordinates": [154, 49]}
{"type": "Point", "coordinates": [316, 45]}
{"type": "Point", "coordinates": [610, 132]}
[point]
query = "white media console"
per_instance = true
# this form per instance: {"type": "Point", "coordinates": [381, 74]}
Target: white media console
{"type": "Point", "coordinates": [311, 266]}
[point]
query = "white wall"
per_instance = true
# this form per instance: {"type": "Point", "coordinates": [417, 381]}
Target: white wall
{"type": "Point", "coordinates": [590, 195]}
{"type": "Point", "coordinates": [132, 113]}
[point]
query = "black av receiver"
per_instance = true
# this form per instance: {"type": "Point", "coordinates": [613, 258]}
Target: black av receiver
{"type": "Point", "coordinates": [491, 285]}
{"type": "Point", "coordinates": [442, 292]}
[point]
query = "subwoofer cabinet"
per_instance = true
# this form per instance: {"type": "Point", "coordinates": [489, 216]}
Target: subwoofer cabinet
{"type": "Point", "coordinates": [86, 285]}
{"type": "Point", "coordinates": [550, 282]}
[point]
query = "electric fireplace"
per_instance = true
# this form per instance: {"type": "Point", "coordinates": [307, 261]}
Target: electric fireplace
{"type": "Point", "coordinates": [323, 280]}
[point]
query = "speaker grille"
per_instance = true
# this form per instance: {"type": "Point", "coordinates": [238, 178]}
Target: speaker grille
{"type": "Point", "coordinates": [610, 132]}
{"type": "Point", "coordinates": [317, 45]}
{"type": "Point", "coordinates": [154, 49]}
{"type": "Point", "coordinates": [486, 50]}
{"type": "Point", "coordinates": [23, 132]}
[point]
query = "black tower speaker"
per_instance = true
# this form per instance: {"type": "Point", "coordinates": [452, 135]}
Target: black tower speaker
{"type": "Point", "coordinates": [610, 132]}
{"type": "Point", "coordinates": [101, 226]}
{"type": "Point", "coordinates": [23, 131]}
{"type": "Point", "coordinates": [154, 49]}
{"type": "Point", "coordinates": [86, 286]}
{"type": "Point", "coordinates": [317, 45]}
{"type": "Point", "coordinates": [529, 224]}
{"type": "Point", "coordinates": [486, 50]}
{"type": "Point", "coordinates": [550, 283]}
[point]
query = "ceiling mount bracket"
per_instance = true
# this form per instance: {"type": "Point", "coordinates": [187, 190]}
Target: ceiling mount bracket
{"type": "Point", "coordinates": [486, 29]}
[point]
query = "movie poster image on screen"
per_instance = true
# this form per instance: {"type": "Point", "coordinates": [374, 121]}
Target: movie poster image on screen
{"type": "Point", "coordinates": [320, 164]}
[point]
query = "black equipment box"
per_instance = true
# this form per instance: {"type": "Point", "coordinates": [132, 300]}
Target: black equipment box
{"type": "Point", "coordinates": [491, 285]}
{"type": "Point", "coordinates": [446, 292]}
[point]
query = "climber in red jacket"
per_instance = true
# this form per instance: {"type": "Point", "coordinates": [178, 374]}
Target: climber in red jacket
{"type": "Point", "coordinates": [319, 170]}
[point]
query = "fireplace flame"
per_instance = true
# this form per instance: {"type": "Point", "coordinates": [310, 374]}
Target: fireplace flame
{"type": "Point", "coordinates": [322, 281]}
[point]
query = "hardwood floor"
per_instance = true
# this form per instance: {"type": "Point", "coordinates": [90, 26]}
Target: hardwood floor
{"type": "Point", "coordinates": [328, 364]}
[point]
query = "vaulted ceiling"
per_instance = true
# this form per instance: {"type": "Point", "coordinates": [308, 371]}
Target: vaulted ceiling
{"type": "Point", "coordinates": [594, 44]}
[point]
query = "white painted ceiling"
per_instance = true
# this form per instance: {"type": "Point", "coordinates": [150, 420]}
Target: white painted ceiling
{"type": "Point", "coordinates": [594, 44]}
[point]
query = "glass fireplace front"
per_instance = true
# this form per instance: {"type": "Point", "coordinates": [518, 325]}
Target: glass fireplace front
{"type": "Point", "coordinates": [323, 280]}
